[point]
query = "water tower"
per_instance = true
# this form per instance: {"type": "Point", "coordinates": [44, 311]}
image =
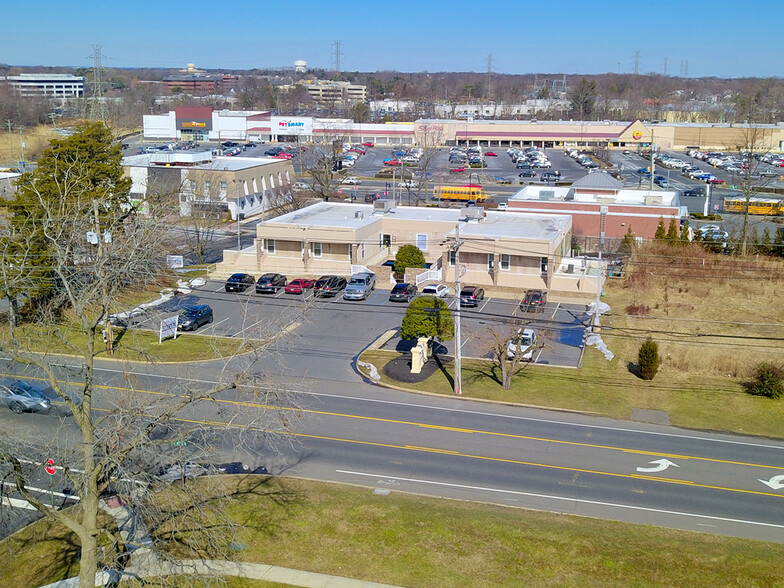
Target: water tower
{"type": "Point", "coordinates": [300, 66]}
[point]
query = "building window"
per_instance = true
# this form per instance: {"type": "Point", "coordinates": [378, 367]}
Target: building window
{"type": "Point", "coordinates": [421, 242]}
{"type": "Point", "coordinates": [385, 240]}
{"type": "Point", "coordinates": [490, 261]}
{"type": "Point", "coordinates": [263, 183]}
{"type": "Point", "coordinates": [207, 188]}
{"type": "Point", "coordinates": [317, 249]}
{"type": "Point", "coordinates": [270, 246]}
{"type": "Point", "coordinates": [504, 261]}
{"type": "Point", "coordinates": [272, 182]}
{"type": "Point", "coordinates": [452, 257]}
{"type": "Point", "coordinates": [288, 177]}
{"type": "Point", "coordinates": [363, 250]}
{"type": "Point", "coordinates": [543, 265]}
{"type": "Point", "coordinates": [223, 187]}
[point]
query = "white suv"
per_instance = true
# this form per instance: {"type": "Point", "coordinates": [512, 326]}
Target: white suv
{"type": "Point", "coordinates": [351, 180]}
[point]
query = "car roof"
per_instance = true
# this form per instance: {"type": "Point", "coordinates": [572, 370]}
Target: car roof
{"type": "Point", "coordinates": [194, 307]}
{"type": "Point", "coordinates": [238, 276]}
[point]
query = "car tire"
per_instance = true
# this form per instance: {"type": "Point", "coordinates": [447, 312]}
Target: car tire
{"type": "Point", "coordinates": [209, 320]}
{"type": "Point", "coordinates": [55, 412]}
{"type": "Point", "coordinates": [16, 408]}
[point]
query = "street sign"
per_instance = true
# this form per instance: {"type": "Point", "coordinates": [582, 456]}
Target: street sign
{"type": "Point", "coordinates": [715, 207]}
{"type": "Point", "coordinates": [50, 467]}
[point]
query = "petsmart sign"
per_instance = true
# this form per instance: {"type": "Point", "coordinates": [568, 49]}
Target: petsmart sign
{"type": "Point", "coordinates": [291, 125]}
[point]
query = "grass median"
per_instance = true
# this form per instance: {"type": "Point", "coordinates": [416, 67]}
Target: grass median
{"type": "Point", "coordinates": [409, 540]}
{"type": "Point", "coordinates": [608, 388]}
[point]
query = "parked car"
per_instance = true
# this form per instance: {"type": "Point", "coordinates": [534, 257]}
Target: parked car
{"type": "Point", "coordinates": [329, 286]}
{"type": "Point", "coordinates": [551, 176]}
{"type": "Point", "coordinates": [298, 286]}
{"type": "Point", "coordinates": [192, 317]}
{"type": "Point", "coordinates": [437, 290]}
{"type": "Point", "coordinates": [491, 154]}
{"type": "Point", "coordinates": [527, 341]}
{"type": "Point", "coordinates": [23, 396]}
{"type": "Point", "coordinates": [408, 184]}
{"type": "Point", "coordinates": [360, 286]}
{"type": "Point", "coordinates": [402, 292]}
{"type": "Point", "coordinates": [367, 144]}
{"type": "Point", "coordinates": [534, 301]}
{"type": "Point", "coordinates": [471, 295]}
{"type": "Point", "coordinates": [352, 181]}
{"type": "Point", "coordinates": [239, 282]}
{"type": "Point", "coordinates": [270, 283]}
{"type": "Point", "coordinates": [524, 165]}
{"type": "Point", "coordinates": [528, 173]}
{"type": "Point", "coordinates": [272, 151]}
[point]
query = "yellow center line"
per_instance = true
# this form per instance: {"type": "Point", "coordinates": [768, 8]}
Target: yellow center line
{"type": "Point", "coordinates": [444, 428]}
{"type": "Point", "coordinates": [480, 457]}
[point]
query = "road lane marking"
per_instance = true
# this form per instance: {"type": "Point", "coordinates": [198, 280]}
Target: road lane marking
{"type": "Point", "coordinates": [565, 498]}
{"type": "Point", "coordinates": [427, 425]}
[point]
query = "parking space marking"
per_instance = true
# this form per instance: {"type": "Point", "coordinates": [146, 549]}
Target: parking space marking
{"type": "Point", "coordinates": [280, 293]}
{"type": "Point", "coordinates": [485, 304]}
{"type": "Point", "coordinates": [220, 289]}
{"type": "Point", "coordinates": [218, 323]}
{"type": "Point", "coordinates": [557, 306]}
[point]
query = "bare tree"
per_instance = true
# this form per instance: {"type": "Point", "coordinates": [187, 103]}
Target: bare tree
{"type": "Point", "coordinates": [115, 441]}
{"type": "Point", "coordinates": [512, 364]}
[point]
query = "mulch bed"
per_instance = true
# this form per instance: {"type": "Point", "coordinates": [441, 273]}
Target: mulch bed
{"type": "Point", "coordinates": [399, 369]}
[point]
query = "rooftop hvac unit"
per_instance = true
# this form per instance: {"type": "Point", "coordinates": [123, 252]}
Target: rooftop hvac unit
{"type": "Point", "coordinates": [383, 205]}
{"type": "Point", "coordinates": [359, 214]}
{"type": "Point", "coordinates": [546, 194]}
{"type": "Point", "coordinates": [473, 213]}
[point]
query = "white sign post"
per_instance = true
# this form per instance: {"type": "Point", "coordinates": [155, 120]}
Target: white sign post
{"type": "Point", "coordinates": [168, 328]}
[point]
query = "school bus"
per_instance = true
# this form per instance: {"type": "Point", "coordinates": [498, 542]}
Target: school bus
{"type": "Point", "coordinates": [460, 193]}
{"type": "Point", "coordinates": [766, 206]}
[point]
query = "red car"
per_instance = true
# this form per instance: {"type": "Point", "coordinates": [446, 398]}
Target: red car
{"type": "Point", "coordinates": [357, 150]}
{"type": "Point", "coordinates": [283, 155]}
{"type": "Point", "coordinates": [367, 144]}
{"type": "Point", "coordinates": [457, 170]}
{"type": "Point", "coordinates": [391, 162]}
{"type": "Point", "coordinates": [298, 286]}
{"type": "Point", "coordinates": [491, 154]}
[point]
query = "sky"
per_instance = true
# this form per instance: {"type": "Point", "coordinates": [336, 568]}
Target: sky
{"type": "Point", "coordinates": [716, 38]}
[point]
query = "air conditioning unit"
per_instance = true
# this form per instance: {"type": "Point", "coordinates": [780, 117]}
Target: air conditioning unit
{"type": "Point", "coordinates": [359, 214]}
{"type": "Point", "coordinates": [473, 213]}
{"type": "Point", "coordinates": [383, 205]}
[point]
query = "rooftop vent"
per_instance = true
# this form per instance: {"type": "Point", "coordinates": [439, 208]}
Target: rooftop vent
{"type": "Point", "coordinates": [383, 206]}
{"type": "Point", "coordinates": [359, 214]}
{"type": "Point", "coordinates": [473, 213]}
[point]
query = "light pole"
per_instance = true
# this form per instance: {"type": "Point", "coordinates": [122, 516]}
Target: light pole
{"type": "Point", "coordinates": [237, 209]}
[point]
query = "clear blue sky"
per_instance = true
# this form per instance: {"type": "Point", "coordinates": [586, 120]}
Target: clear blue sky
{"type": "Point", "coordinates": [717, 37]}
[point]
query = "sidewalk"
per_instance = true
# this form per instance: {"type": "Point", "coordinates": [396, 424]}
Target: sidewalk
{"type": "Point", "coordinates": [143, 567]}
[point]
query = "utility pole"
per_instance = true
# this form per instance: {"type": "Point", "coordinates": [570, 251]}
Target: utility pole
{"type": "Point", "coordinates": [458, 336]}
{"type": "Point", "coordinates": [653, 164]}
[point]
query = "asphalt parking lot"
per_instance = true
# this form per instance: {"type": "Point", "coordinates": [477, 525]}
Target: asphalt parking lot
{"type": "Point", "coordinates": [334, 328]}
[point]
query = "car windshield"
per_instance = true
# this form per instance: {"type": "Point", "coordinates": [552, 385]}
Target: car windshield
{"type": "Point", "coordinates": [357, 281]}
{"type": "Point", "coordinates": [429, 290]}
{"type": "Point", "coordinates": [26, 389]}
{"type": "Point", "coordinates": [190, 313]}
{"type": "Point", "coordinates": [526, 340]}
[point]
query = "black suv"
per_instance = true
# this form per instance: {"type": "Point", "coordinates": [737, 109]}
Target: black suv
{"type": "Point", "coordinates": [471, 295]}
{"type": "Point", "coordinates": [270, 283]}
{"type": "Point", "coordinates": [402, 293]}
{"type": "Point", "coordinates": [192, 317]}
{"type": "Point", "coordinates": [329, 286]}
{"type": "Point", "coordinates": [239, 282]}
{"type": "Point", "coordinates": [534, 301]}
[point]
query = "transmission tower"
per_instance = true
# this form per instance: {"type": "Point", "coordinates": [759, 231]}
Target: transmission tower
{"type": "Point", "coordinates": [665, 67]}
{"type": "Point", "coordinates": [686, 69]}
{"type": "Point", "coordinates": [97, 105]}
{"type": "Point", "coordinates": [636, 63]}
{"type": "Point", "coordinates": [488, 91]}
{"type": "Point", "coordinates": [337, 49]}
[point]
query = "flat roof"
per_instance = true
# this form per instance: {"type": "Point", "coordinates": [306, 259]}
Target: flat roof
{"type": "Point", "coordinates": [505, 225]}
{"type": "Point", "coordinates": [196, 160]}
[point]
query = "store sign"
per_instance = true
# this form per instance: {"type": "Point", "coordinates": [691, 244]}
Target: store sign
{"type": "Point", "coordinates": [637, 135]}
{"type": "Point", "coordinates": [193, 124]}
{"type": "Point", "coordinates": [289, 124]}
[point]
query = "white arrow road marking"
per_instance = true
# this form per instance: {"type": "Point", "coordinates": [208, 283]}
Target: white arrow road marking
{"type": "Point", "coordinates": [661, 465]}
{"type": "Point", "coordinates": [776, 482]}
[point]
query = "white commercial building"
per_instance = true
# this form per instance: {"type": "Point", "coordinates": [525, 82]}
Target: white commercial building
{"type": "Point", "coordinates": [48, 85]}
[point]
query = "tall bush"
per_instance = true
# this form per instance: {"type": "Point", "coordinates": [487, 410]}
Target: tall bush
{"type": "Point", "coordinates": [768, 381]}
{"type": "Point", "coordinates": [648, 359]}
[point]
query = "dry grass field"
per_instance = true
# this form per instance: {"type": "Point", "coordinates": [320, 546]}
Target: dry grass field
{"type": "Point", "coordinates": [711, 314]}
{"type": "Point", "coordinates": [36, 140]}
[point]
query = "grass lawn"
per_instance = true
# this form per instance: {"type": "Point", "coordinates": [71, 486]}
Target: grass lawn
{"type": "Point", "coordinates": [133, 344]}
{"type": "Point", "coordinates": [609, 389]}
{"type": "Point", "coordinates": [407, 540]}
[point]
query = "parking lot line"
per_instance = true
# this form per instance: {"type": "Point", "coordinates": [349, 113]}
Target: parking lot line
{"type": "Point", "coordinates": [557, 306]}
{"type": "Point", "coordinates": [485, 304]}
{"type": "Point", "coordinates": [280, 293]}
{"type": "Point", "coordinates": [220, 288]}
{"type": "Point", "coordinates": [213, 325]}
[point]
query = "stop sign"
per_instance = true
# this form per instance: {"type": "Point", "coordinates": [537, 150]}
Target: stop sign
{"type": "Point", "coordinates": [50, 467]}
